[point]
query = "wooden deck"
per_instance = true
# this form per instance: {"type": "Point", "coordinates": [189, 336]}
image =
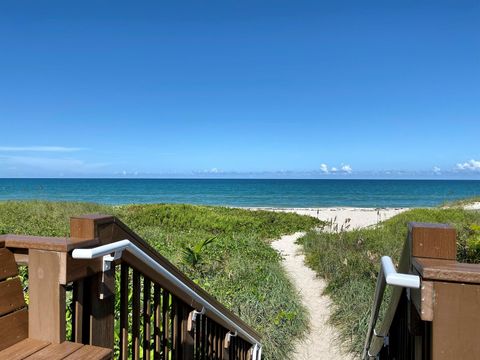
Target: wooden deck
{"type": "Point", "coordinates": [32, 349]}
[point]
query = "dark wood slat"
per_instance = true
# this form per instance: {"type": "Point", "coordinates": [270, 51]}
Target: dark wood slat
{"type": "Point", "coordinates": [157, 322]}
{"type": "Point", "coordinates": [187, 336]}
{"type": "Point", "coordinates": [175, 329]}
{"type": "Point", "coordinates": [13, 328]}
{"type": "Point", "coordinates": [165, 323]}
{"type": "Point", "coordinates": [147, 317]}
{"type": "Point", "coordinates": [22, 349]}
{"type": "Point", "coordinates": [11, 296]}
{"type": "Point", "coordinates": [198, 324]}
{"type": "Point", "coordinates": [8, 266]}
{"type": "Point", "coordinates": [136, 316]}
{"type": "Point", "coordinates": [56, 351]}
{"type": "Point", "coordinates": [124, 271]}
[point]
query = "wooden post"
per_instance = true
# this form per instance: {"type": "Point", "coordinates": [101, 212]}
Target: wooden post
{"type": "Point", "coordinates": [434, 241]}
{"type": "Point", "coordinates": [187, 336]}
{"type": "Point", "coordinates": [97, 301]}
{"type": "Point", "coordinates": [46, 309]}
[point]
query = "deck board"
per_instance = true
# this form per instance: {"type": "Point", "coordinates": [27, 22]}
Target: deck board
{"type": "Point", "coordinates": [23, 349]}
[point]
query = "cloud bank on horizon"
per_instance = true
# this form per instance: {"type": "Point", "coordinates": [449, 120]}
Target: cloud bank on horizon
{"type": "Point", "coordinates": [14, 164]}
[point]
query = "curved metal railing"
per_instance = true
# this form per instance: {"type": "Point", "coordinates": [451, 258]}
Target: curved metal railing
{"type": "Point", "coordinates": [386, 276]}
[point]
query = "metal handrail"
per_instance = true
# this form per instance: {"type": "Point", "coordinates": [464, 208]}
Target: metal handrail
{"type": "Point", "coordinates": [118, 247]}
{"type": "Point", "coordinates": [387, 275]}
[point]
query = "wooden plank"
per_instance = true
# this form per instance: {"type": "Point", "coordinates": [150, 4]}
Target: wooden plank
{"type": "Point", "coordinates": [456, 322]}
{"type": "Point", "coordinates": [11, 296]}
{"type": "Point", "coordinates": [89, 352]}
{"type": "Point", "coordinates": [23, 349]}
{"type": "Point", "coordinates": [78, 300]}
{"type": "Point", "coordinates": [8, 266]}
{"type": "Point", "coordinates": [436, 241]}
{"type": "Point", "coordinates": [56, 351]}
{"type": "Point", "coordinates": [62, 244]}
{"type": "Point", "coordinates": [136, 316]}
{"type": "Point", "coordinates": [447, 270]}
{"type": "Point", "coordinates": [423, 299]}
{"type": "Point", "coordinates": [101, 310]}
{"type": "Point", "coordinates": [124, 311]}
{"type": "Point", "coordinates": [46, 313]}
{"type": "Point", "coordinates": [13, 328]}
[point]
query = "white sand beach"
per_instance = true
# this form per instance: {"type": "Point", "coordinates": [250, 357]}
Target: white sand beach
{"type": "Point", "coordinates": [338, 216]}
{"type": "Point", "coordinates": [320, 342]}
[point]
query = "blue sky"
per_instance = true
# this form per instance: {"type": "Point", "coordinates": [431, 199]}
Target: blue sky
{"type": "Point", "coordinates": [240, 89]}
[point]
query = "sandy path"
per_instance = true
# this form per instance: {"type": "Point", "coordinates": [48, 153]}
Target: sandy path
{"type": "Point", "coordinates": [320, 341]}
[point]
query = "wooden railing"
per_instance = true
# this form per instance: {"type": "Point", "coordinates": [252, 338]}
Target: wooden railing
{"type": "Point", "coordinates": [127, 306]}
{"type": "Point", "coordinates": [440, 319]}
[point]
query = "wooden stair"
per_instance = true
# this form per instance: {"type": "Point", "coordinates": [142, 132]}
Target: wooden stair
{"type": "Point", "coordinates": [14, 341]}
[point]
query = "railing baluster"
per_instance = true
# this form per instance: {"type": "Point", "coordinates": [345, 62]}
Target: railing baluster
{"type": "Point", "coordinates": [124, 311]}
{"type": "Point", "coordinates": [147, 317]}
{"type": "Point", "coordinates": [165, 321]}
{"type": "Point", "coordinates": [157, 313]}
{"type": "Point", "coordinates": [204, 338]}
{"type": "Point", "coordinates": [136, 316]}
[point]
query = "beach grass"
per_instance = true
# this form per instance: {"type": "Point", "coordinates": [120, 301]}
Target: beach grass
{"type": "Point", "coordinates": [237, 266]}
{"type": "Point", "coordinates": [349, 262]}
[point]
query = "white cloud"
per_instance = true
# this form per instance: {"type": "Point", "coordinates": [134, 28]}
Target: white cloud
{"type": "Point", "coordinates": [324, 168]}
{"type": "Point", "coordinates": [347, 169]}
{"type": "Point", "coordinates": [344, 169]}
{"type": "Point", "coordinates": [437, 170]}
{"type": "Point", "coordinates": [39, 149]}
{"type": "Point", "coordinates": [472, 165]}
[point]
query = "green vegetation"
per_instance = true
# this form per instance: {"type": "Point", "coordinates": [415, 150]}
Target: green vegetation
{"type": "Point", "coordinates": [228, 254]}
{"type": "Point", "coordinates": [349, 261]}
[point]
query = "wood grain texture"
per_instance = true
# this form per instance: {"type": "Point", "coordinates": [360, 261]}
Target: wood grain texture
{"type": "Point", "coordinates": [436, 241]}
{"type": "Point", "coordinates": [11, 296]}
{"type": "Point", "coordinates": [55, 351]}
{"type": "Point", "coordinates": [456, 322]}
{"type": "Point", "coordinates": [45, 243]}
{"type": "Point", "coordinates": [447, 270]}
{"type": "Point", "coordinates": [89, 352]}
{"type": "Point", "coordinates": [13, 328]}
{"type": "Point", "coordinates": [8, 266]}
{"type": "Point", "coordinates": [423, 299]}
{"type": "Point", "coordinates": [23, 349]}
{"type": "Point", "coordinates": [47, 297]}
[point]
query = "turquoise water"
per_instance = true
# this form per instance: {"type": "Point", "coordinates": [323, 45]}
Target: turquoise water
{"type": "Point", "coordinates": [275, 193]}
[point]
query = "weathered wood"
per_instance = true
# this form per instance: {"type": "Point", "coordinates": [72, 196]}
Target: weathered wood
{"type": "Point", "coordinates": [11, 296]}
{"type": "Point", "coordinates": [436, 241]}
{"type": "Point", "coordinates": [47, 297]}
{"type": "Point", "coordinates": [23, 349]}
{"type": "Point", "coordinates": [456, 322]}
{"type": "Point", "coordinates": [56, 351]}
{"type": "Point", "coordinates": [8, 266]}
{"type": "Point", "coordinates": [13, 328]}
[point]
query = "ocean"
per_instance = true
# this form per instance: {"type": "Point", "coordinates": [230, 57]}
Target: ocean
{"type": "Point", "coordinates": [244, 193]}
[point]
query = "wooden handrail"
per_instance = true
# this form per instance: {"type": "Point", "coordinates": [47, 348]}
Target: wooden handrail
{"type": "Point", "coordinates": [52, 267]}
